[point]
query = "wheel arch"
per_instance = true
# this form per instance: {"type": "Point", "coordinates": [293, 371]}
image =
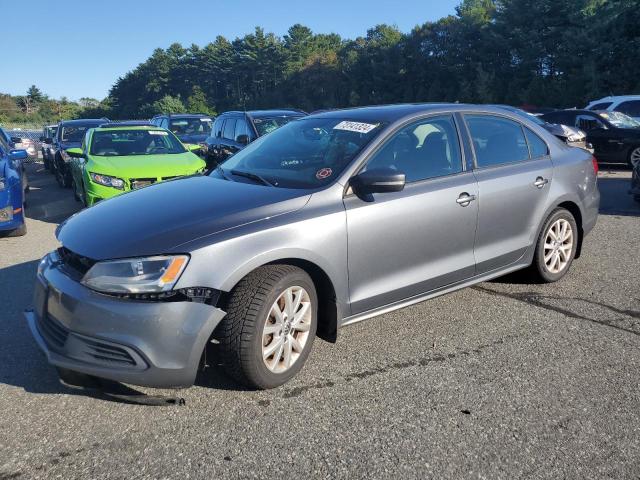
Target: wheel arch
{"type": "Point", "coordinates": [328, 311]}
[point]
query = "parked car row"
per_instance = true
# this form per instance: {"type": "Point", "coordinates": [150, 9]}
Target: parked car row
{"type": "Point", "coordinates": [288, 239]}
{"type": "Point", "coordinates": [13, 187]}
{"type": "Point", "coordinates": [615, 136]}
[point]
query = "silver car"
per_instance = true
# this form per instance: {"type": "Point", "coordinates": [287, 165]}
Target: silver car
{"type": "Point", "coordinates": [332, 219]}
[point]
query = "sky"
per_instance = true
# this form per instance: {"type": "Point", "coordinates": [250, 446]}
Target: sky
{"type": "Point", "coordinates": [78, 48]}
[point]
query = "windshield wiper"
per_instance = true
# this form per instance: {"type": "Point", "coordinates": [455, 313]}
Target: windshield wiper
{"type": "Point", "coordinates": [221, 171]}
{"type": "Point", "coordinates": [253, 176]}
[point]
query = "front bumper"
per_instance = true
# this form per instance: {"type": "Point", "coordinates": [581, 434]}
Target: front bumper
{"type": "Point", "coordinates": [154, 344]}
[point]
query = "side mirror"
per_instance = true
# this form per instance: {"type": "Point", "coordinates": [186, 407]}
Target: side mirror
{"type": "Point", "coordinates": [192, 147]}
{"type": "Point", "coordinates": [16, 139]}
{"type": "Point", "coordinates": [48, 141]}
{"type": "Point", "coordinates": [18, 155]}
{"type": "Point", "coordinates": [378, 180]}
{"type": "Point", "coordinates": [242, 139]}
{"type": "Point", "coordinates": [75, 152]}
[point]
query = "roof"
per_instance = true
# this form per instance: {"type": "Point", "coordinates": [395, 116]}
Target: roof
{"type": "Point", "coordinates": [183, 115]}
{"type": "Point", "coordinates": [613, 98]}
{"type": "Point", "coordinates": [120, 126]}
{"type": "Point", "coordinates": [391, 113]}
{"type": "Point", "coordinates": [128, 123]}
{"type": "Point", "coordinates": [267, 113]}
{"type": "Point", "coordinates": [84, 121]}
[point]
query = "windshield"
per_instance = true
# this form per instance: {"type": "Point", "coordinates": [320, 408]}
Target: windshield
{"type": "Point", "coordinates": [76, 132]}
{"type": "Point", "coordinates": [266, 125]}
{"type": "Point", "coordinates": [308, 153]}
{"type": "Point", "coordinates": [191, 126]}
{"type": "Point", "coordinates": [620, 120]}
{"type": "Point", "coordinates": [112, 143]}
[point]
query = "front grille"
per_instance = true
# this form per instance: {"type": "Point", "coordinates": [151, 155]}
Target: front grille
{"type": "Point", "coordinates": [107, 353]}
{"type": "Point", "coordinates": [137, 183]}
{"type": "Point", "coordinates": [52, 332]}
{"type": "Point", "coordinates": [75, 262]}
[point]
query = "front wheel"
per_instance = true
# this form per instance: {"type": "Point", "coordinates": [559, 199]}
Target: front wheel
{"type": "Point", "coordinates": [270, 326]}
{"type": "Point", "coordinates": [556, 246]}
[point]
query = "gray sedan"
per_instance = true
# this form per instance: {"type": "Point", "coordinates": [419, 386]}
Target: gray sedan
{"type": "Point", "coordinates": [332, 219]}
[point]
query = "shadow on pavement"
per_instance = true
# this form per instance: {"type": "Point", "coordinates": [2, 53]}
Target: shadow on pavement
{"type": "Point", "coordinates": [614, 195]}
{"type": "Point", "coordinates": [46, 201]}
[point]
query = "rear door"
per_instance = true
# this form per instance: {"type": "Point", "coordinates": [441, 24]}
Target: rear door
{"type": "Point", "coordinates": [402, 244]}
{"type": "Point", "coordinates": [514, 172]}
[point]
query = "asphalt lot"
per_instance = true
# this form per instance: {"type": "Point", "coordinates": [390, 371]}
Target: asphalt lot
{"type": "Point", "coordinates": [503, 380]}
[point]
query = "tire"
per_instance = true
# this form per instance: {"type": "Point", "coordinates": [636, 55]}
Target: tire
{"type": "Point", "coordinates": [634, 157]}
{"type": "Point", "coordinates": [549, 271]}
{"type": "Point", "coordinates": [62, 176]}
{"type": "Point", "coordinates": [250, 307]}
{"type": "Point", "coordinates": [74, 189]}
{"type": "Point", "coordinates": [18, 232]}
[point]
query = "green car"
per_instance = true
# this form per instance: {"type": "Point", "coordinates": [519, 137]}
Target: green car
{"type": "Point", "coordinates": [114, 159]}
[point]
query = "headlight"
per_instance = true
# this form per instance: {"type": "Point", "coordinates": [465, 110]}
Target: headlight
{"type": "Point", "coordinates": [136, 275]}
{"type": "Point", "coordinates": [107, 181]}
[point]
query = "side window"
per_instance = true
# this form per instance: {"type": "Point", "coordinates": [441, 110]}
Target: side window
{"type": "Point", "coordinates": [426, 149]}
{"type": "Point", "coordinates": [631, 108]}
{"type": "Point", "coordinates": [164, 123]}
{"type": "Point", "coordinates": [601, 106]}
{"type": "Point", "coordinates": [588, 122]}
{"type": "Point", "coordinates": [216, 131]}
{"type": "Point", "coordinates": [497, 140]}
{"type": "Point", "coordinates": [537, 147]}
{"type": "Point", "coordinates": [241, 128]}
{"type": "Point", "coordinates": [229, 129]}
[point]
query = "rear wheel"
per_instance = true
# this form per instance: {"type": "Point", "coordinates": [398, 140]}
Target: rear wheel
{"type": "Point", "coordinates": [270, 326]}
{"type": "Point", "coordinates": [556, 247]}
{"type": "Point", "coordinates": [634, 157]}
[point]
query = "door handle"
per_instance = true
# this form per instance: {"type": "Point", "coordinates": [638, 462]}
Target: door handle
{"type": "Point", "coordinates": [465, 199]}
{"type": "Point", "coordinates": [540, 182]}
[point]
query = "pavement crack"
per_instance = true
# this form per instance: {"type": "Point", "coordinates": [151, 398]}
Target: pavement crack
{"type": "Point", "coordinates": [394, 366]}
{"type": "Point", "coordinates": [542, 301]}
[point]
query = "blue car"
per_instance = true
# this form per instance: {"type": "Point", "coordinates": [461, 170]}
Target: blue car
{"type": "Point", "coordinates": [13, 187]}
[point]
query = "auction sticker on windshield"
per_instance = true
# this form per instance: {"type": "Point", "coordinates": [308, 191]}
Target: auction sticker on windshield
{"type": "Point", "coordinates": [357, 127]}
{"type": "Point", "coordinates": [157, 132]}
{"type": "Point", "coordinates": [323, 173]}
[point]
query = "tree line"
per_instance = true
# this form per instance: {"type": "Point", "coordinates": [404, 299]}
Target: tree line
{"type": "Point", "coordinates": [554, 53]}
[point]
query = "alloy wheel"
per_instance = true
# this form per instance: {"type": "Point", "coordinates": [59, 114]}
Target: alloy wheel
{"type": "Point", "coordinates": [286, 329]}
{"type": "Point", "coordinates": [558, 246]}
{"type": "Point", "coordinates": [634, 158]}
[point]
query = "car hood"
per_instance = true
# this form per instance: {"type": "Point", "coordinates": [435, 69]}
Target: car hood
{"type": "Point", "coordinates": [564, 131]}
{"type": "Point", "coordinates": [147, 166]}
{"type": "Point", "coordinates": [193, 138]}
{"type": "Point", "coordinates": [158, 219]}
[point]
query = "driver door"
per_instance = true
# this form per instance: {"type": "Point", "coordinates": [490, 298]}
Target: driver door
{"type": "Point", "coordinates": [403, 244]}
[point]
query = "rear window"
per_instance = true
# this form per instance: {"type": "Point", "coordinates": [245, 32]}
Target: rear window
{"type": "Point", "coordinates": [266, 125]}
{"type": "Point", "coordinates": [69, 133]}
{"type": "Point", "coordinates": [497, 140]}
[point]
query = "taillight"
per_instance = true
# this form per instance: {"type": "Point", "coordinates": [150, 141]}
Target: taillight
{"type": "Point", "coordinates": [594, 161]}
